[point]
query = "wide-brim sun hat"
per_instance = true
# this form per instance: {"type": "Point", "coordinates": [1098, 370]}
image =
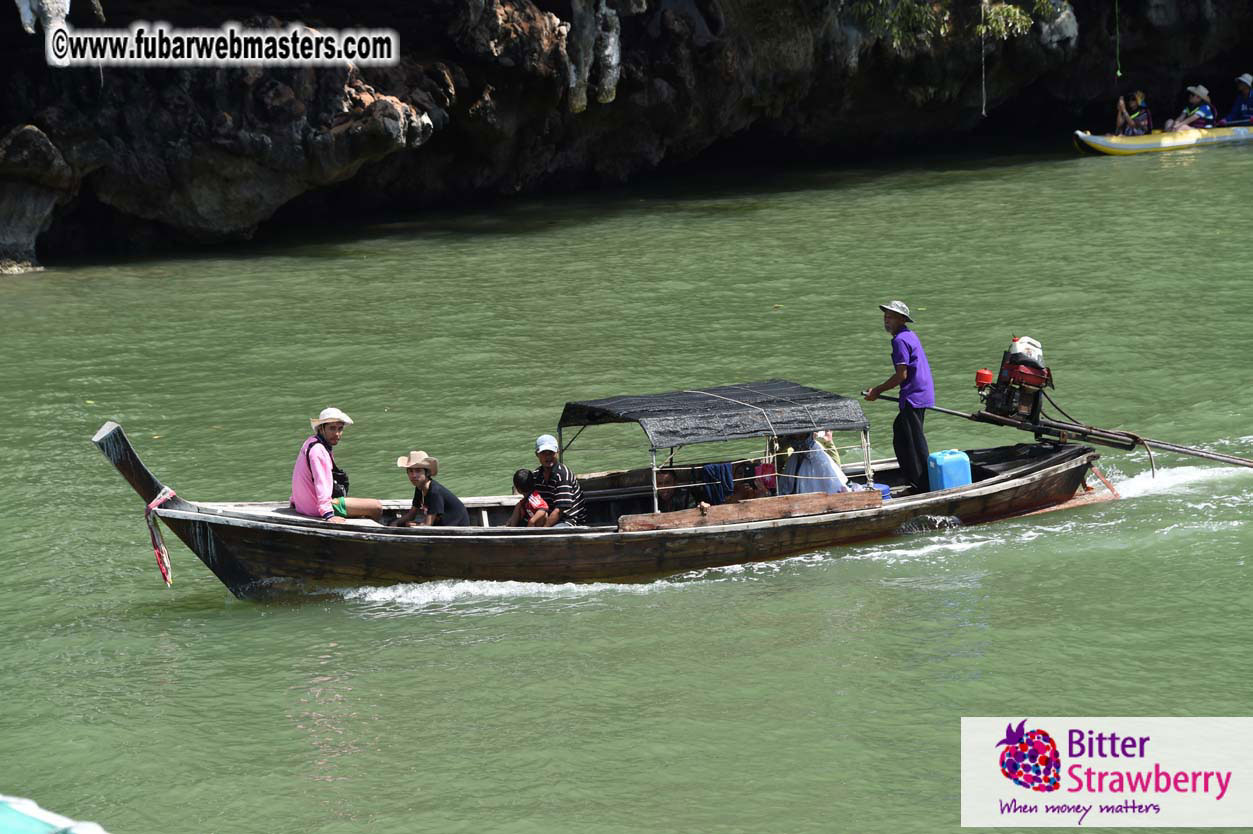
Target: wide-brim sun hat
{"type": "Point", "coordinates": [1200, 90]}
{"type": "Point", "coordinates": [330, 415]}
{"type": "Point", "coordinates": [546, 443]}
{"type": "Point", "coordinates": [419, 459]}
{"type": "Point", "coordinates": [898, 307]}
{"type": "Point", "coordinates": [1246, 79]}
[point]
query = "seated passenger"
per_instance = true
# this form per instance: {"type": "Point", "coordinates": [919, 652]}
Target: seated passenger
{"type": "Point", "coordinates": [810, 469]}
{"type": "Point", "coordinates": [1199, 112]}
{"type": "Point", "coordinates": [747, 485]}
{"type": "Point", "coordinates": [672, 496]}
{"type": "Point", "coordinates": [1242, 110]}
{"type": "Point", "coordinates": [319, 488]}
{"type": "Point", "coordinates": [531, 510]}
{"type": "Point", "coordinates": [557, 486]}
{"type": "Point", "coordinates": [434, 505]}
{"type": "Point", "coordinates": [1132, 116]}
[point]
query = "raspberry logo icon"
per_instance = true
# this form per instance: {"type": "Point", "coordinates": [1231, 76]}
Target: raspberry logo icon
{"type": "Point", "coordinates": [1030, 758]}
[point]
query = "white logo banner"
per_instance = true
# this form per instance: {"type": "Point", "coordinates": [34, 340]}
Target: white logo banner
{"type": "Point", "coordinates": [1106, 772]}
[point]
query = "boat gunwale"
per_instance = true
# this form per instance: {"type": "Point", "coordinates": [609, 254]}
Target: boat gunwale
{"type": "Point", "coordinates": [1154, 143]}
{"type": "Point", "coordinates": [396, 535]}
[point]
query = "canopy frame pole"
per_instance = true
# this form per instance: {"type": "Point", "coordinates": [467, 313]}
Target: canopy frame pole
{"type": "Point", "coordinates": [865, 451]}
{"type": "Point", "coordinates": [565, 446]}
{"type": "Point", "coordinates": [656, 505]}
{"type": "Point", "coordinates": [560, 447]}
{"type": "Point", "coordinates": [761, 482]}
{"type": "Point", "coordinates": [772, 451]}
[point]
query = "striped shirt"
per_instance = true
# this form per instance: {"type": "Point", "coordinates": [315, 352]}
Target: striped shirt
{"type": "Point", "coordinates": [562, 492]}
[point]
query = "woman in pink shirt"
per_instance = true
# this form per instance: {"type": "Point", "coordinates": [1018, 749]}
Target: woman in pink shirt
{"type": "Point", "coordinates": [319, 488]}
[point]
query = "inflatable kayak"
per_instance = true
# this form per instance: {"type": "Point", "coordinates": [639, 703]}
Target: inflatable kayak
{"type": "Point", "coordinates": [23, 816]}
{"type": "Point", "coordinates": [1159, 141]}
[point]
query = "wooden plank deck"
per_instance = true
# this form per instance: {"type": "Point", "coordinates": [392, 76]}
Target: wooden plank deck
{"type": "Point", "coordinates": [754, 509]}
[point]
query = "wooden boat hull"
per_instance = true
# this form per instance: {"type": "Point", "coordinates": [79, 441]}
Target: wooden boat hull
{"type": "Point", "coordinates": [1158, 141]}
{"type": "Point", "coordinates": [257, 553]}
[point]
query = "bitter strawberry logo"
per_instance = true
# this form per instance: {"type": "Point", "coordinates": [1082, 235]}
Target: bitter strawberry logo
{"type": "Point", "coordinates": [1030, 759]}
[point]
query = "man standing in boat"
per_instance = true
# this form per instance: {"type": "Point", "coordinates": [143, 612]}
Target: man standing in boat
{"type": "Point", "coordinates": [913, 374]}
{"type": "Point", "coordinates": [557, 485]}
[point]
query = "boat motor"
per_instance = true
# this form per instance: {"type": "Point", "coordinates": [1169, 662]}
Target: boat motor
{"type": "Point", "coordinates": [1017, 390]}
{"type": "Point", "coordinates": [1015, 398]}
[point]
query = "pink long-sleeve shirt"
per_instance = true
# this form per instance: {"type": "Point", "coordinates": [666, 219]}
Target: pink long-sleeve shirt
{"type": "Point", "coordinates": [311, 481]}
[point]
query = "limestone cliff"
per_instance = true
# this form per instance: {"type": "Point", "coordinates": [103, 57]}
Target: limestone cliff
{"type": "Point", "coordinates": [503, 96]}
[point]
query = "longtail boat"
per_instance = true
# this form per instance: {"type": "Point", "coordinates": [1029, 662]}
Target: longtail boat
{"type": "Point", "coordinates": [258, 548]}
{"type": "Point", "coordinates": [1158, 140]}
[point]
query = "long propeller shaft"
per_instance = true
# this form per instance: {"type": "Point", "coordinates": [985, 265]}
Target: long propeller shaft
{"type": "Point", "coordinates": [1076, 431]}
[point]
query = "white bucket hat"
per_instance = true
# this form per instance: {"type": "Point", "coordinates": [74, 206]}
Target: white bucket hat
{"type": "Point", "coordinates": [330, 415]}
{"type": "Point", "coordinates": [1200, 90]}
{"type": "Point", "coordinates": [546, 443]}
{"type": "Point", "coordinates": [420, 460]}
{"type": "Point", "coordinates": [1246, 79]}
{"type": "Point", "coordinates": [897, 307]}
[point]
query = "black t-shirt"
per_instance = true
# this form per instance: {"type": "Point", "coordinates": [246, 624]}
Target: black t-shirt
{"type": "Point", "coordinates": [441, 503]}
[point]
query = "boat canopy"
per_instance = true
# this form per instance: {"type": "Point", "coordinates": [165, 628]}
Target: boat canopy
{"type": "Point", "coordinates": [775, 407]}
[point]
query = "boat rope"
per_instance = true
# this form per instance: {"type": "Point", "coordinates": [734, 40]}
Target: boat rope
{"type": "Point", "coordinates": [764, 415]}
{"type": "Point", "coordinates": [693, 466]}
{"type": "Point", "coordinates": [808, 413]}
{"type": "Point", "coordinates": [1059, 408]}
{"type": "Point", "coordinates": [1149, 449]}
{"type": "Point", "coordinates": [983, 53]}
{"type": "Point", "coordinates": [154, 532]}
{"type": "Point", "coordinates": [1117, 42]}
{"type": "Point", "coordinates": [1139, 441]}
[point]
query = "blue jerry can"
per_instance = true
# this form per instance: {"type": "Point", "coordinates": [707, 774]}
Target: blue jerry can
{"type": "Point", "coordinates": [947, 469]}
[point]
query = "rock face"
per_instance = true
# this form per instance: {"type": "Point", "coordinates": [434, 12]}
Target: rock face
{"type": "Point", "coordinates": [502, 96]}
{"type": "Point", "coordinates": [34, 179]}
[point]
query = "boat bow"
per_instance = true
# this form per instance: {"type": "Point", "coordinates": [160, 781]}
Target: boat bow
{"type": "Point", "coordinates": [112, 442]}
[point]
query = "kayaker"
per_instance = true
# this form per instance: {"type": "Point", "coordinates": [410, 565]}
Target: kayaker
{"type": "Point", "coordinates": [319, 488]}
{"type": "Point", "coordinates": [558, 486]}
{"type": "Point", "coordinates": [434, 505]}
{"type": "Point", "coordinates": [913, 374]}
{"type": "Point", "coordinates": [1199, 112]}
{"type": "Point", "coordinates": [1132, 116]}
{"type": "Point", "coordinates": [1242, 109]}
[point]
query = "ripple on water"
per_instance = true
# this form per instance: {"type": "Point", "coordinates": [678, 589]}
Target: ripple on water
{"type": "Point", "coordinates": [485, 596]}
{"type": "Point", "coordinates": [1178, 480]}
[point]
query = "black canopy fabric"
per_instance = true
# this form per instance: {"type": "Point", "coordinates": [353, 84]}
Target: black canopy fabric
{"type": "Point", "coordinates": [729, 412]}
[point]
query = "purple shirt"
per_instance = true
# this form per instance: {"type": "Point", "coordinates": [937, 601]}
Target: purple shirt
{"type": "Point", "coordinates": [917, 390]}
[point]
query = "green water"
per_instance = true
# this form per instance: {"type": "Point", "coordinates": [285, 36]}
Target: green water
{"type": "Point", "coordinates": [819, 694]}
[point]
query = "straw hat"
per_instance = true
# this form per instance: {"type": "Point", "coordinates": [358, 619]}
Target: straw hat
{"type": "Point", "coordinates": [897, 307]}
{"type": "Point", "coordinates": [330, 415]}
{"type": "Point", "coordinates": [1246, 79]}
{"type": "Point", "coordinates": [419, 460]}
{"type": "Point", "coordinates": [1200, 90]}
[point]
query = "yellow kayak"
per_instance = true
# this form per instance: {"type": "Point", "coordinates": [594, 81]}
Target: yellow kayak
{"type": "Point", "coordinates": [1159, 141]}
